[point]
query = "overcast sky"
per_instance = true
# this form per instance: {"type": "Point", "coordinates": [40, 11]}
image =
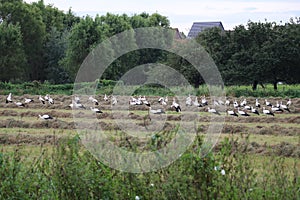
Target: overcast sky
{"type": "Point", "coordinates": [183, 13]}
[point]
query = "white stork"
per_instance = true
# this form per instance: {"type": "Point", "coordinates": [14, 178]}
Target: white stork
{"type": "Point", "coordinates": [142, 98]}
{"type": "Point", "coordinates": [77, 99]}
{"type": "Point", "coordinates": [176, 106]}
{"type": "Point", "coordinates": [105, 97]}
{"type": "Point", "coordinates": [236, 104]}
{"type": "Point", "coordinates": [114, 100]}
{"type": "Point", "coordinates": [284, 107]}
{"type": "Point", "coordinates": [19, 104]}
{"type": "Point", "coordinates": [196, 103]}
{"type": "Point", "coordinates": [289, 103]}
{"type": "Point", "coordinates": [163, 101]}
{"type": "Point", "coordinates": [45, 117]}
{"type": "Point", "coordinates": [232, 113]}
{"type": "Point", "coordinates": [257, 104]}
{"type": "Point", "coordinates": [46, 97]}
{"type": "Point", "coordinates": [243, 113]}
{"type": "Point", "coordinates": [212, 110]}
{"type": "Point", "coordinates": [41, 99]}
{"type": "Point", "coordinates": [216, 103]}
{"type": "Point", "coordinates": [95, 110]}
{"type": "Point", "coordinates": [157, 111]}
{"type": "Point", "coordinates": [243, 103]}
{"type": "Point", "coordinates": [77, 105]}
{"type": "Point", "coordinates": [277, 104]}
{"type": "Point", "coordinates": [276, 109]}
{"type": "Point", "coordinates": [146, 103]}
{"type": "Point", "coordinates": [268, 103]}
{"type": "Point", "coordinates": [188, 101]}
{"type": "Point", "coordinates": [247, 107]}
{"type": "Point", "coordinates": [204, 101]}
{"type": "Point", "coordinates": [221, 102]}
{"type": "Point", "coordinates": [95, 101]}
{"type": "Point", "coordinates": [267, 112]}
{"type": "Point", "coordinates": [27, 100]}
{"type": "Point", "coordinates": [50, 100]}
{"type": "Point", "coordinates": [254, 111]}
{"type": "Point", "coordinates": [227, 102]}
{"type": "Point", "coordinates": [8, 98]}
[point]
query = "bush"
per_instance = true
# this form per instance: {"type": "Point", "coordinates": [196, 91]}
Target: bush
{"type": "Point", "coordinates": [68, 171]}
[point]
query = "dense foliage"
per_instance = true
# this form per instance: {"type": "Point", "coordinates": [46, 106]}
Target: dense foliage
{"type": "Point", "coordinates": [256, 54]}
{"type": "Point", "coordinates": [67, 171]}
{"type": "Point", "coordinates": [40, 42]}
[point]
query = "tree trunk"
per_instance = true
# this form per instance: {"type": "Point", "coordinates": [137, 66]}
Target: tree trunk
{"type": "Point", "coordinates": [275, 85]}
{"type": "Point", "coordinates": [254, 86]}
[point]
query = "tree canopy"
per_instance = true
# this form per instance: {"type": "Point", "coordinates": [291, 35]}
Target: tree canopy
{"type": "Point", "coordinates": [40, 42]}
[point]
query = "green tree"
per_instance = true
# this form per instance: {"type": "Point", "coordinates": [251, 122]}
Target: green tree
{"type": "Point", "coordinates": [12, 55]}
{"type": "Point", "coordinates": [33, 31]}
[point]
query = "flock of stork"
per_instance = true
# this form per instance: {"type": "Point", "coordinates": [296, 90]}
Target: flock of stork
{"type": "Point", "coordinates": [242, 108]}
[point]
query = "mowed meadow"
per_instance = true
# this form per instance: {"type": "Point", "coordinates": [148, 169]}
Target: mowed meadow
{"type": "Point", "coordinates": [255, 157]}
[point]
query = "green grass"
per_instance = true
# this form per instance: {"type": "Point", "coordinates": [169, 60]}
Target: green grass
{"type": "Point", "coordinates": [68, 171]}
{"type": "Point", "coordinates": [108, 87]}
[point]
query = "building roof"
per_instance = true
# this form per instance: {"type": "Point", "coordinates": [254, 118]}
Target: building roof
{"type": "Point", "coordinates": [178, 35]}
{"type": "Point", "coordinates": [198, 27]}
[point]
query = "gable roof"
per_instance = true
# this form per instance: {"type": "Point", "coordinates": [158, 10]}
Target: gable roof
{"type": "Point", "coordinates": [198, 27]}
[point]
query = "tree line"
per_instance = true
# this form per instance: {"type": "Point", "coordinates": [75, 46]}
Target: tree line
{"type": "Point", "coordinates": [257, 53]}
{"type": "Point", "coordinates": [40, 42]}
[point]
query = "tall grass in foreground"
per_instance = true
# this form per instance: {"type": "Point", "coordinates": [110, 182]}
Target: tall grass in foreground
{"type": "Point", "coordinates": [68, 171]}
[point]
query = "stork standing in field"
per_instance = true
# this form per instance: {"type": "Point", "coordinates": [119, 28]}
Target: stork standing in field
{"type": "Point", "coordinates": [105, 97]}
{"type": "Point", "coordinates": [95, 110]}
{"type": "Point", "coordinates": [46, 97]}
{"type": "Point", "coordinates": [27, 100]}
{"type": "Point", "coordinates": [232, 113]}
{"type": "Point", "coordinates": [204, 101]}
{"type": "Point", "coordinates": [19, 104]}
{"type": "Point", "coordinates": [221, 102]}
{"type": "Point", "coordinates": [257, 104]}
{"type": "Point", "coordinates": [236, 104]}
{"type": "Point", "coordinates": [95, 101]}
{"type": "Point", "coordinates": [146, 102]}
{"type": "Point", "coordinates": [284, 107]}
{"type": "Point", "coordinates": [216, 103]}
{"type": "Point", "coordinates": [289, 103]}
{"type": "Point", "coordinates": [276, 109]}
{"type": "Point", "coordinates": [188, 101]}
{"type": "Point", "coordinates": [254, 111]}
{"type": "Point", "coordinates": [196, 103]}
{"type": "Point", "coordinates": [77, 99]}
{"type": "Point", "coordinates": [243, 103]}
{"type": "Point", "coordinates": [8, 98]}
{"type": "Point", "coordinates": [243, 113]}
{"type": "Point", "coordinates": [41, 99]}
{"type": "Point", "coordinates": [267, 112]}
{"type": "Point", "coordinates": [50, 100]}
{"type": "Point", "coordinates": [227, 102]}
{"type": "Point", "coordinates": [114, 100]}
{"type": "Point", "coordinates": [163, 101]}
{"type": "Point", "coordinates": [212, 110]}
{"type": "Point", "coordinates": [45, 117]}
{"type": "Point", "coordinates": [157, 111]}
{"type": "Point", "coordinates": [176, 106]}
{"type": "Point", "coordinates": [268, 103]}
{"type": "Point", "coordinates": [247, 107]}
{"type": "Point", "coordinates": [76, 105]}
